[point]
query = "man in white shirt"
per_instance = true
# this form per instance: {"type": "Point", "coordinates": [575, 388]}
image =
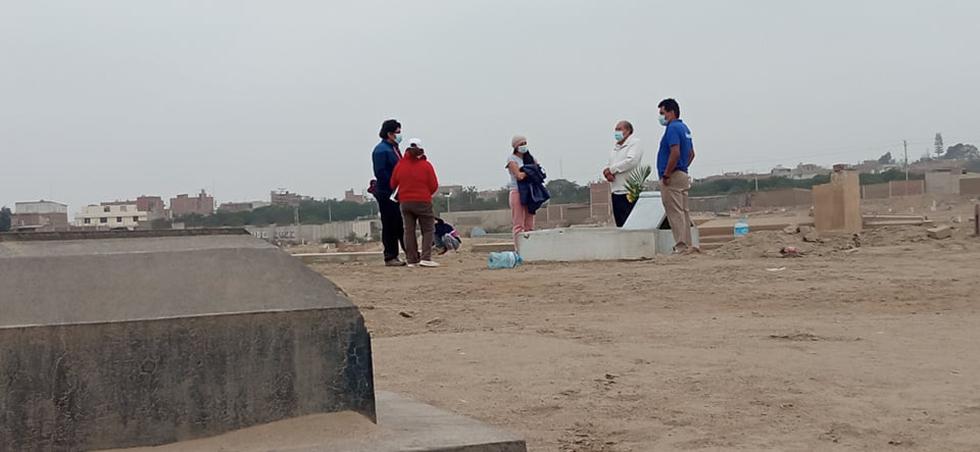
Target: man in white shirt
{"type": "Point", "coordinates": [623, 159]}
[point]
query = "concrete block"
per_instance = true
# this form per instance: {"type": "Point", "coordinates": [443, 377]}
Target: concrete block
{"type": "Point", "coordinates": [138, 340]}
{"type": "Point", "coordinates": [403, 426]}
{"type": "Point", "coordinates": [587, 244]}
{"type": "Point", "coordinates": [492, 247]}
{"type": "Point", "coordinates": [649, 215]}
{"type": "Point", "coordinates": [837, 205]}
{"type": "Point", "coordinates": [941, 232]}
{"type": "Point", "coordinates": [884, 223]}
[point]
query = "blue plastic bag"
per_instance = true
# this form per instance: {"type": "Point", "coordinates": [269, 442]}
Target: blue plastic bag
{"type": "Point", "coordinates": [506, 259]}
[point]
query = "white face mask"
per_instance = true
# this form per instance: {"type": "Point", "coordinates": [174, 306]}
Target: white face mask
{"type": "Point", "coordinates": [663, 120]}
{"type": "Point", "coordinates": [522, 149]}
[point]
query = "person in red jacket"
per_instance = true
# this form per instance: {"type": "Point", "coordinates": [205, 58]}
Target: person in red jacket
{"type": "Point", "coordinates": [416, 182]}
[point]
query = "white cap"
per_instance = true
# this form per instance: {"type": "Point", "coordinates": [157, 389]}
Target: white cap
{"type": "Point", "coordinates": [417, 142]}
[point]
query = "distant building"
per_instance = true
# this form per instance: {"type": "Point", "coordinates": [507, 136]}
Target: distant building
{"type": "Point", "coordinates": [449, 190]}
{"type": "Point", "coordinates": [925, 166]}
{"type": "Point", "coordinates": [202, 204]}
{"type": "Point", "coordinates": [231, 207]}
{"type": "Point", "coordinates": [781, 171]}
{"type": "Point", "coordinates": [285, 198]}
{"type": "Point", "coordinates": [875, 167]}
{"type": "Point", "coordinates": [488, 195]}
{"type": "Point", "coordinates": [152, 205]}
{"type": "Point", "coordinates": [41, 206]}
{"type": "Point", "coordinates": [110, 215]}
{"type": "Point", "coordinates": [39, 216]}
{"type": "Point", "coordinates": [733, 175]}
{"type": "Point", "coordinates": [808, 171]}
{"type": "Point", "coordinates": [350, 196]}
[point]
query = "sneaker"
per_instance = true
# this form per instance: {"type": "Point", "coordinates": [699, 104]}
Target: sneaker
{"type": "Point", "coordinates": [412, 265]}
{"type": "Point", "coordinates": [429, 264]}
{"type": "Point", "coordinates": [394, 263]}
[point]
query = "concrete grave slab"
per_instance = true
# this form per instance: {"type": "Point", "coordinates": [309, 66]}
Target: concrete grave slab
{"type": "Point", "coordinates": [403, 426]}
{"type": "Point", "coordinates": [120, 340]}
{"type": "Point", "coordinates": [586, 244]}
{"type": "Point", "coordinates": [940, 232]}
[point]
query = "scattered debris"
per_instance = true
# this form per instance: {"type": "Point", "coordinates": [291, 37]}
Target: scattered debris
{"type": "Point", "coordinates": [940, 232]}
{"type": "Point", "coordinates": [790, 251]}
{"type": "Point", "coordinates": [434, 322]}
{"type": "Point", "coordinates": [812, 237]}
{"type": "Point", "coordinates": [407, 315]}
{"type": "Point", "coordinates": [801, 337]}
{"type": "Point", "coordinates": [792, 229]}
{"type": "Point", "coordinates": [776, 269]}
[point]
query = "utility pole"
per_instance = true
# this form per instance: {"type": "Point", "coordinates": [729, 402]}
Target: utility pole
{"type": "Point", "coordinates": [329, 212]}
{"type": "Point", "coordinates": [905, 144]}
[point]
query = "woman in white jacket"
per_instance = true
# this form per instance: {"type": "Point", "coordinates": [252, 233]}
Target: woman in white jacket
{"type": "Point", "coordinates": [624, 158]}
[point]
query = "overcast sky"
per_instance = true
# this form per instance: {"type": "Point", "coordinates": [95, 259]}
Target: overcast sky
{"type": "Point", "coordinates": [104, 100]}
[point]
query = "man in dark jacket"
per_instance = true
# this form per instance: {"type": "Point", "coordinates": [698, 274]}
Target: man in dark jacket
{"type": "Point", "coordinates": [385, 156]}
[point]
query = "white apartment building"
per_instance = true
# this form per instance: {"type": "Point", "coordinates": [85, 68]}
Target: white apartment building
{"type": "Point", "coordinates": [110, 216]}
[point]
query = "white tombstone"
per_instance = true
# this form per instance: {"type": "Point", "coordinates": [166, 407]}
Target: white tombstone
{"type": "Point", "coordinates": [649, 214]}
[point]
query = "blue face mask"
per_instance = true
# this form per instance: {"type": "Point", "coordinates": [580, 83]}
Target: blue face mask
{"type": "Point", "coordinates": [663, 120]}
{"type": "Point", "coordinates": [618, 136]}
{"type": "Point", "coordinates": [398, 138]}
{"type": "Point", "coordinates": [522, 149]}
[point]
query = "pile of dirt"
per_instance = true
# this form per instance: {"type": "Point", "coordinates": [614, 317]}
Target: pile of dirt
{"type": "Point", "coordinates": [894, 235]}
{"type": "Point", "coordinates": [773, 243]}
{"type": "Point", "coordinates": [808, 243]}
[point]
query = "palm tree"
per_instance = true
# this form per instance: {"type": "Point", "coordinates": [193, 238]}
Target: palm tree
{"type": "Point", "coordinates": [636, 182]}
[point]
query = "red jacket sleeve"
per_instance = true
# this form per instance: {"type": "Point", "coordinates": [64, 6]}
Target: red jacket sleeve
{"type": "Point", "coordinates": [433, 180]}
{"type": "Point", "coordinates": [395, 175]}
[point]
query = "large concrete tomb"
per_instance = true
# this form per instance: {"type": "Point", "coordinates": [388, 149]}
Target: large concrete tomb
{"type": "Point", "coordinates": [133, 339]}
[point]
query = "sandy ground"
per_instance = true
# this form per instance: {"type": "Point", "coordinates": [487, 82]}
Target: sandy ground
{"type": "Point", "coordinates": [874, 349]}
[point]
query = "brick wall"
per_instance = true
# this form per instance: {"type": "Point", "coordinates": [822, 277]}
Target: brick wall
{"type": "Point", "coordinates": [600, 201]}
{"type": "Point", "coordinates": [970, 186]}
{"type": "Point", "coordinates": [790, 197]}
{"type": "Point", "coordinates": [909, 188]}
{"type": "Point", "coordinates": [876, 191]}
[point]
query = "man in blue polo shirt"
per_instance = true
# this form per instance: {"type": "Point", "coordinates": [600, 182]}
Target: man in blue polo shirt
{"type": "Point", "coordinates": [674, 158]}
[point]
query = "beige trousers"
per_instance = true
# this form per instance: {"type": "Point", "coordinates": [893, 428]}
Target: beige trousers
{"type": "Point", "coordinates": [675, 196]}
